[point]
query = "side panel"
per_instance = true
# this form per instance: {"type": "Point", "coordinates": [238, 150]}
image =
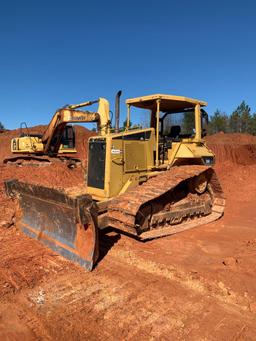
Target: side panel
{"type": "Point", "coordinates": [116, 167]}
{"type": "Point", "coordinates": [135, 156]}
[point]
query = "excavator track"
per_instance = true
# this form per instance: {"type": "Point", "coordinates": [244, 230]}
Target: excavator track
{"type": "Point", "coordinates": [41, 160]}
{"type": "Point", "coordinates": [169, 203]}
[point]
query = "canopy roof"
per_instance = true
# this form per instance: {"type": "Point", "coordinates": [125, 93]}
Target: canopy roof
{"type": "Point", "coordinates": [167, 103]}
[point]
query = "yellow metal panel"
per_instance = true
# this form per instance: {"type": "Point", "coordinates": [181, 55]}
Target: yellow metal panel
{"type": "Point", "coordinates": [97, 194]}
{"type": "Point", "coordinates": [116, 167]}
{"type": "Point", "coordinates": [134, 156]}
{"type": "Point", "coordinates": [188, 151]}
{"type": "Point", "coordinates": [26, 144]}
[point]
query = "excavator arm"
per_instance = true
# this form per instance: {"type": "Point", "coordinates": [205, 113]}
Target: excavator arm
{"type": "Point", "coordinates": [51, 138]}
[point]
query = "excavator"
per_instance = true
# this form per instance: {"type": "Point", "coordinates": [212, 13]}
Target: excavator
{"type": "Point", "coordinates": [146, 182]}
{"type": "Point", "coordinates": [58, 138]}
{"type": "Point", "coordinates": [32, 145]}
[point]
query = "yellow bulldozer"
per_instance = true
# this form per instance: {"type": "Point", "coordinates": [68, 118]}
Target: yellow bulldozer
{"type": "Point", "coordinates": [146, 182]}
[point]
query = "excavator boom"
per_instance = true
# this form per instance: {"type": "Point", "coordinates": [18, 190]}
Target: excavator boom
{"type": "Point", "coordinates": [51, 139]}
{"type": "Point", "coordinates": [52, 136]}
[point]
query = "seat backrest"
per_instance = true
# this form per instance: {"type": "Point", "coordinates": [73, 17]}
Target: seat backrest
{"type": "Point", "coordinates": [174, 131]}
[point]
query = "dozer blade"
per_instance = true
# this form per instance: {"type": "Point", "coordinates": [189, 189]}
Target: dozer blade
{"type": "Point", "coordinates": [64, 223]}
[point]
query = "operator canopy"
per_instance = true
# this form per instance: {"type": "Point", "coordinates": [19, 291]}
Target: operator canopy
{"type": "Point", "coordinates": [167, 103]}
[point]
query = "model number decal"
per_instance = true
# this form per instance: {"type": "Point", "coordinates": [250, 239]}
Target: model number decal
{"type": "Point", "coordinates": [116, 151]}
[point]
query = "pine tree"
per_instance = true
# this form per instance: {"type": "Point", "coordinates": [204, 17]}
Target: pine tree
{"type": "Point", "coordinates": [252, 125]}
{"type": "Point", "coordinates": [188, 122]}
{"type": "Point", "coordinates": [240, 119]}
{"type": "Point", "coordinates": [218, 122]}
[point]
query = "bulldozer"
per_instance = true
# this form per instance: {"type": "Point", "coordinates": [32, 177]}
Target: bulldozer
{"type": "Point", "coordinates": [145, 182]}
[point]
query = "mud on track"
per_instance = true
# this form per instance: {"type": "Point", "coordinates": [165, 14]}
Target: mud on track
{"type": "Point", "coordinates": [197, 285]}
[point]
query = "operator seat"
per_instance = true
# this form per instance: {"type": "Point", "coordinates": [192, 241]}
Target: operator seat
{"type": "Point", "coordinates": [174, 132]}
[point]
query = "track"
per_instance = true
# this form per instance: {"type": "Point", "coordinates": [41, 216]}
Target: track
{"type": "Point", "coordinates": [163, 193]}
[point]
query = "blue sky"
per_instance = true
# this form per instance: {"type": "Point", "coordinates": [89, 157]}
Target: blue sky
{"type": "Point", "coordinates": [59, 52]}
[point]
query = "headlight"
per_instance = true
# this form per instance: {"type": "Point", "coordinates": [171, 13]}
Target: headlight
{"type": "Point", "coordinates": [208, 160]}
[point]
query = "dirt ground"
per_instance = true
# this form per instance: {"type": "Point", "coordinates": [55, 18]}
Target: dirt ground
{"type": "Point", "coordinates": [196, 285]}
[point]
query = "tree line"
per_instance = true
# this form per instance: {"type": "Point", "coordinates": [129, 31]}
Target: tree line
{"type": "Point", "coordinates": [241, 120]}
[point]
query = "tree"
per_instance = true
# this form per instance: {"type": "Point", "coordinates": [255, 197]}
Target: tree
{"type": "Point", "coordinates": [1, 126]}
{"type": "Point", "coordinates": [234, 122]}
{"type": "Point", "coordinates": [218, 122]}
{"type": "Point", "coordinates": [240, 119]}
{"type": "Point", "coordinates": [188, 123]}
{"type": "Point", "coordinates": [125, 123]}
{"type": "Point", "coordinates": [252, 126]}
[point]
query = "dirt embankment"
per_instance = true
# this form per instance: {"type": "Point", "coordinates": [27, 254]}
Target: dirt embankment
{"type": "Point", "coordinates": [235, 166]}
{"type": "Point", "coordinates": [239, 149]}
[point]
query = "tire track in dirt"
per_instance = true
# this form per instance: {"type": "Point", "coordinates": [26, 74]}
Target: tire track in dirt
{"type": "Point", "coordinates": [191, 281]}
{"type": "Point", "coordinates": [123, 297]}
{"type": "Point", "coordinates": [121, 301]}
{"type": "Point", "coordinates": [24, 262]}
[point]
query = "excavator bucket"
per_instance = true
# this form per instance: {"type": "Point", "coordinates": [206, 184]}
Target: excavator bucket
{"type": "Point", "coordinates": [66, 224]}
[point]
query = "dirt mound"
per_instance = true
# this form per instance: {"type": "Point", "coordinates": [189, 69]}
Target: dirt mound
{"type": "Point", "coordinates": [56, 175]}
{"type": "Point", "coordinates": [235, 138]}
{"type": "Point", "coordinates": [239, 149]}
{"type": "Point", "coordinates": [82, 134]}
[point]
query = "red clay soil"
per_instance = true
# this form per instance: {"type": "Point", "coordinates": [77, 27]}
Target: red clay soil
{"type": "Point", "coordinates": [196, 285]}
{"type": "Point", "coordinates": [235, 148]}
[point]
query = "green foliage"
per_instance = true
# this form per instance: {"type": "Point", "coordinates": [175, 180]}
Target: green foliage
{"type": "Point", "coordinates": [125, 123]}
{"type": "Point", "coordinates": [218, 122]}
{"type": "Point", "coordinates": [240, 121]}
{"type": "Point", "coordinates": [1, 126]}
{"type": "Point", "coordinates": [188, 123]}
{"type": "Point", "coordinates": [252, 127]}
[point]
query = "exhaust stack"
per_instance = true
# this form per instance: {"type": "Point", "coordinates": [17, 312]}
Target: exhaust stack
{"type": "Point", "coordinates": [117, 111]}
